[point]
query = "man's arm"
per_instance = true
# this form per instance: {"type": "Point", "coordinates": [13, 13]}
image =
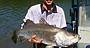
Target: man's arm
{"type": "Point", "coordinates": [61, 21]}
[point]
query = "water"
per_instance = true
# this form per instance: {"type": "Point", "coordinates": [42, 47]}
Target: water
{"type": "Point", "coordinates": [11, 16]}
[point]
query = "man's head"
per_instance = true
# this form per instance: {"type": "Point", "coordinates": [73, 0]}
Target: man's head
{"type": "Point", "coordinates": [48, 2]}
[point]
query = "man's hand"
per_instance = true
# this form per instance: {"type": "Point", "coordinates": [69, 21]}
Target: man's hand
{"type": "Point", "coordinates": [35, 39]}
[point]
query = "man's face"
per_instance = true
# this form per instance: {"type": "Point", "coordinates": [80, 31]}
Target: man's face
{"type": "Point", "coordinates": [48, 2]}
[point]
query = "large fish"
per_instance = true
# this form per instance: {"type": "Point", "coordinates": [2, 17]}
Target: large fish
{"type": "Point", "coordinates": [51, 35]}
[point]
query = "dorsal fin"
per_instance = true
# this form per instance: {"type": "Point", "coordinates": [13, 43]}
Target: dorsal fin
{"type": "Point", "coordinates": [28, 22]}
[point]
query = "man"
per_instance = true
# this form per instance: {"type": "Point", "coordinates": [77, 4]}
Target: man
{"type": "Point", "coordinates": [51, 13]}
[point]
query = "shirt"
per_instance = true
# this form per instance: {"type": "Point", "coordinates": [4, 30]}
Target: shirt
{"type": "Point", "coordinates": [55, 18]}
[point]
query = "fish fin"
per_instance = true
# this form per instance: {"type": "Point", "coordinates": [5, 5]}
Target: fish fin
{"type": "Point", "coordinates": [14, 37]}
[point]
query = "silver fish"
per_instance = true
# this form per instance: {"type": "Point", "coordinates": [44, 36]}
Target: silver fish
{"type": "Point", "coordinates": [49, 34]}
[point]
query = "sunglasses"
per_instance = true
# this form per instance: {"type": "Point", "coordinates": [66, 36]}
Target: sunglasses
{"type": "Point", "coordinates": [48, 0]}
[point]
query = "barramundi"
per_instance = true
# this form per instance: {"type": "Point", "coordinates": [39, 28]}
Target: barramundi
{"type": "Point", "coordinates": [50, 34]}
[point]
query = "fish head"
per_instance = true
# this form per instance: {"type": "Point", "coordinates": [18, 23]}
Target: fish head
{"type": "Point", "coordinates": [76, 38]}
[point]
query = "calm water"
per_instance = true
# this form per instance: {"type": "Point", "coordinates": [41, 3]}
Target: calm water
{"type": "Point", "coordinates": [11, 14]}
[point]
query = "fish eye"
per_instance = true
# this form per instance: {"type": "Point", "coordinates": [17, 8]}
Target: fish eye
{"type": "Point", "coordinates": [79, 37]}
{"type": "Point", "coordinates": [75, 36]}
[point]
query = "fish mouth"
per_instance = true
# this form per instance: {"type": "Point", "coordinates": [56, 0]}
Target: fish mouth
{"type": "Point", "coordinates": [79, 37]}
